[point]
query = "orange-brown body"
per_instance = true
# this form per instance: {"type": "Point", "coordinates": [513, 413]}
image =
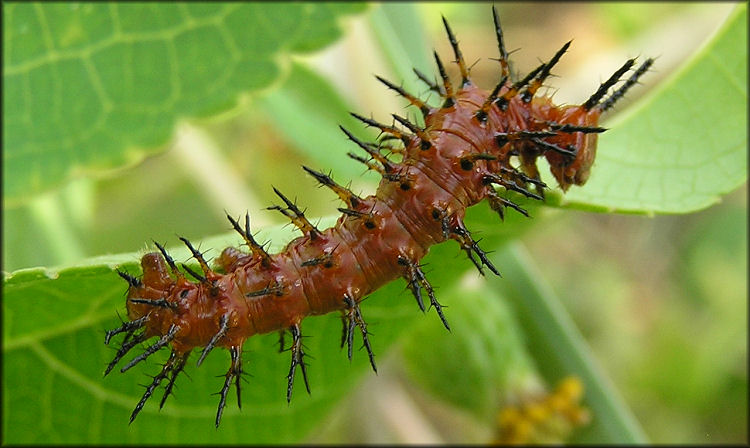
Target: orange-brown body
{"type": "Point", "coordinates": [474, 141]}
{"type": "Point", "coordinates": [363, 258]}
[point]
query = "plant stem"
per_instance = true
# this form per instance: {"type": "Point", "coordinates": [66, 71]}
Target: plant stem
{"type": "Point", "coordinates": [559, 348]}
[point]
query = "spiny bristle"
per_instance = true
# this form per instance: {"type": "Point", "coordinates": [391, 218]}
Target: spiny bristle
{"type": "Point", "coordinates": [297, 360]}
{"type": "Point", "coordinates": [497, 203]}
{"type": "Point", "coordinates": [195, 275]}
{"type": "Point", "coordinates": [276, 289]}
{"type": "Point", "coordinates": [504, 68]}
{"type": "Point", "coordinates": [546, 146]}
{"type": "Point", "coordinates": [569, 128]}
{"type": "Point", "coordinates": [160, 303]}
{"type": "Point", "coordinates": [502, 102]}
{"type": "Point", "coordinates": [132, 281]}
{"type": "Point", "coordinates": [431, 84]}
{"type": "Point", "coordinates": [394, 131]}
{"type": "Point", "coordinates": [543, 74]}
{"type": "Point", "coordinates": [602, 90]}
{"type": "Point", "coordinates": [457, 52]}
{"type": "Point", "coordinates": [126, 327]}
{"type": "Point", "coordinates": [416, 280]}
{"type": "Point", "coordinates": [170, 261]}
{"type": "Point", "coordinates": [198, 256]}
{"type": "Point", "coordinates": [256, 248]}
{"type": "Point", "coordinates": [471, 247]}
{"type": "Point", "coordinates": [509, 184]}
{"type": "Point", "coordinates": [481, 114]}
{"type": "Point", "coordinates": [450, 98]}
{"type": "Point", "coordinates": [235, 370]}
{"type": "Point", "coordinates": [617, 94]}
{"type": "Point", "coordinates": [502, 138]}
{"type": "Point", "coordinates": [423, 136]}
{"type": "Point", "coordinates": [223, 328]}
{"type": "Point", "coordinates": [467, 162]}
{"type": "Point", "coordinates": [346, 195]}
{"type": "Point", "coordinates": [163, 341]}
{"type": "Point", "coordinates": [295, 215]}
{"type": "Point", "coordinates": [353, 317]}
{"type": "Point", "coordinates": [177, 367]}
{"type": "Point", "coordinates": [370, 165]}
{"type": "Point", "coordinates": [171, 366]}
{"type": "Point", "coordinates": [388, 166]}
{"type": "Point", "coordinates": [411, 98]}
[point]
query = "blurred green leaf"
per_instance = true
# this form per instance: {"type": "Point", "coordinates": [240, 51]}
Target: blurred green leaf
{"type": "Point", "coordinates": [480, 361]}
{"type": "Point", "coordinates": [317, 135]}
{"type": "Point", "coordinates": [685, 145]}
{"type": "Point", "coordinates": [399, 31]}
{"type": "Point", "coordinates": [93, 86]}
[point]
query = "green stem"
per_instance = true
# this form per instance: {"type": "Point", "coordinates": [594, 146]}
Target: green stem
{"type": "Point", "coordinates": [560, 349]}
{"type": "Point", "coordinates": [400, 34]}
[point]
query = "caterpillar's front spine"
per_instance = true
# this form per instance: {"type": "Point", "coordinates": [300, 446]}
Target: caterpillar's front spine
{"type": "Point", "coordinates": [455, 161]}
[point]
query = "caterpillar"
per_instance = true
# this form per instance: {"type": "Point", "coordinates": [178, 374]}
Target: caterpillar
{"type": "Point", "coordinates": [475, 141]}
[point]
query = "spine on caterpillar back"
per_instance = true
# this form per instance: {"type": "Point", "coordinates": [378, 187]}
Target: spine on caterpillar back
{"type": "Point", "coordinates": [457, 160]}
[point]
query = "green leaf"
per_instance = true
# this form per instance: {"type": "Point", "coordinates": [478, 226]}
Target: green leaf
{"type": "Point", "coordinates": [55, 344]}
{"type": "Point", "coordinates": [480, 362]}
{"type": "Point", "coordinates": [52, 316]}
{"type": "Point", "coordinates": [50, 325]}
{"type": "Point", "coordinates": [683, 147]}
{"type": "Point", "coordinates": [94, 86]}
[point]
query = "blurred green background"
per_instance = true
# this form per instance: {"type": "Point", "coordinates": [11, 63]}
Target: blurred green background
{"type": "Point", "coordinates": [661, 300]}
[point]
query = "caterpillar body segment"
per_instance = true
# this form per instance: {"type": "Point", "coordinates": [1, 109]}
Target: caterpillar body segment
{"type": "Point", "coordinates": [462, 156]}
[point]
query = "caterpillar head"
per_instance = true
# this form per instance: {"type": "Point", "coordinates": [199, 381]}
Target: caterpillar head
{"type": "Point", "coordinates": [574, 170]}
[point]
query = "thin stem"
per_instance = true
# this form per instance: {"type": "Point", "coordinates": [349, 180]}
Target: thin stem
{"type": "Point", "coordinates": [560, 348]}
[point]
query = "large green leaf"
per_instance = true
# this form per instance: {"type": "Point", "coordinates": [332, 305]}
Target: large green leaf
{"type": "Point", "coordinates": [93, 86]}
{"type": "Point", "coordinates": [53, 328]}
{"type": "Point", "coordinates": [55, 318]}
{"type": "Point", "coordinates": [55, 345]}
{"type": "Point", "coordinates": [683, 147]}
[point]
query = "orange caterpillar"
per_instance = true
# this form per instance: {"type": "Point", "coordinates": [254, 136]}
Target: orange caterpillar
{"type": "Point", "coordinates": [457, 160]}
